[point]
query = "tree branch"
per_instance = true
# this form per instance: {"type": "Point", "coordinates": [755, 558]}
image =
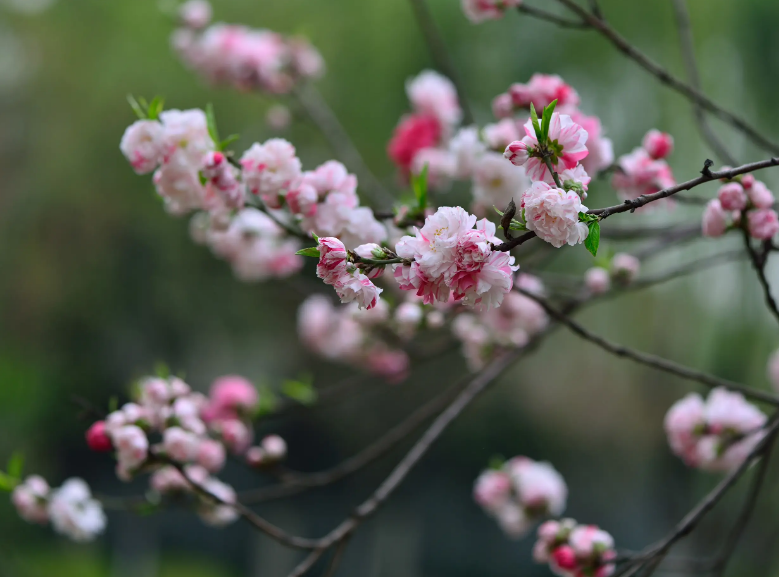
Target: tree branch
{"type": "Point", "coordinates": [553, 18]}
{"type": "Point", "coordinates": [758, 263]}
{"type": "Point", "coordinates": [669, 80]}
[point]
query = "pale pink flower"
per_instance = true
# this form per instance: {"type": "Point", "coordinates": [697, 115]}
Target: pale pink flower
{"type": "Point", "coordinates": [513, 520]}
{"type": "Point", "coordinates": [221, 513]}
{"type": "Point", "coordinates": [230, 397]}
{"type": "Point", "coordinates": [275, 447]}
{"type": "Point", "coordinates": [571, 147]}
{"type": "Point", "coordinates": [210, 455]}
{"type": "Point", "coordinates": [498, 136]}
{"type": "Point", "coordinates": [772, 370]}
{"type": "Point", "coordinates": [759, 194]}
{"type": "Point", "coordinates": [715, 219]}
{"type": "Point", "coordinates": [496, 182]}
{"type": "Point", "coordinates": [359, 288]}
{"type": "Point", "coordinates": [732, 196]}
{"type": "Point", "coordinates": [235, 435]}
{"type": "Point", "coordinates": [727, 410]}
{"type": "Point", "coordinates": [539, 487]}
{"type": "Point", "coordinates": [553, 214]}
{"type": "Point", "coordinates": [683, 422]}
{"type": "Point", "coordinates": [278, 117]}
{"type": "Point", "coordinates": [142, 145]}
{"type": "Point", "coordinates": [658, 144]}
{"type": "Point", "coordinates": [332, 260]}
{"type": "Point", "coordinates": [168, 479]}
{"type": "Point", "coordinates": [412, 278]}
{"type": "Point", "coordinates": [306, 60]}
{"type": "Point", "coordinates": [601, 149]}
{"type": "Point", "coordinates": [269, 169]}
{"type": "Point", "coordinates": [255, 457]}
{"type": "Point", "coordinates": [485, 287]}
{"type": "Point", "coordinates": [195, 14]}
{"type": "Point", "coordinates": [131, 445]}
{"type": "Point", "coordinates": [503, 106]}
{"type": "Point", "coordinates": [178, 182]}
{"type": "Point", "coordinates": [180, 445]}
{"type": "Point", "coordinates": [625, 267]}
{"type": "Point", "coordinates": [186, 132]}
{"type": "Point", "coordinates": [597, 280]}
{"type": "Point", "coordinates": [391, 364]}
{"type": "Point", "coordinates": [302, 198]}
{"type": "Point", "coordinates": [328, 331]}
{"type": "Point", "coordinates": [588, 540]}
{"type": "Point", "coordinates": [467, 148]}
{"type": "Point", "coordinates": [492, 490]}
{"type": "Point", "coordinates": [332, 176]}
{"type": "Point", "coordinates": [433, 94]}
{"type": "Point", "coordinates": [517, 153]}
{"type": "Point", "coordinates": [74, 513]}
{"type": "Point", "coordinates": [541, 90]}
{"type": "Point", "coordinates": [638, 174]}
{"type": "Point", "coordinates": [763, 223]}
{"type": "Point", "coordinates": [441, 167]}
{"type": "Point", "coordinates": [222, 178]}
{"type": "Point", "coordinates": [436, 242]}
{"type": "Point", "coordinates": [30, 499]}
{"type": "Point", "coordinates": [480, 10]}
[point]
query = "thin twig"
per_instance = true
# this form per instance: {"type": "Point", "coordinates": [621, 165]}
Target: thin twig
{"type": "Point", "coordinates": [337, 557]}
{"type": "Point", "coordinates": [325, 119]}
{"type": "Point", "coordinates": [686, 269]}
{"type": "Point", "coordinates": [650, 360]}
{"type": "Point", "coordinates": [440, 54]}
{"type": "Point", "coordinates": [306, 564]}
{"type": "Point", "coordinates": [668, 79]}
{"type": "Point", "coordinates": [553, 18]}
{"type": "Point", "coordinates": [688, 55]}
{"type": "Point", "coordinates": [758, 263]}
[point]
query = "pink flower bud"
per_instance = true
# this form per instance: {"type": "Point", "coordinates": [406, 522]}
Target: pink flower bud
{"type": "Point", "coordinates": [597, 280]}
{"type": "Point", "coordinates": [564, 557]}
{"type": "Point", "coordinates": [255, 457]}
{"type": "Point", "coordinates": [230, 396]}
{"type": "Point", "coordinates": [492, 489]}
{"type": "Point", "coordinates": [414, 133]}
{"type": "Point", "coordinates": [517, 153]}
{"type": "Point", "coordinates": [625, 267]}
{"type": "Point", "coordinates": [732, 196]}
{"type": "Point", "coordinates": [236, 435]}
{"type": "Point", "coordinates": [211, 455]}
{"type": "Point", "coordinates": [275, 447]}
{"type": "Point", "coordinates": [180, 445]}
{"type": "Point", "coordinates": [763, 223]}
{"type": "Point", "coordinates": [195, 14]}
{"type": "Point", "coordinates": [658, 144]}
{"type": "Point", "coordinates": [715, 219]}
{"type": "Point", "coordinates": [760, 196]}
{"type": "Point", "coordinates": [97, 438]}
{"type": "Point", "coordinates": [503, 106]}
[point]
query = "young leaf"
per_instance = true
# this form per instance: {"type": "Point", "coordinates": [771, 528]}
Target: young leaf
{"type": "Point", "coordinates": [311, 251]}
{"type": "Point", "coordinates": [302, 391]}
{"type": "Point", "coordinates": [500, 212]}
{"type": "Point", "coordinates": [593, 238]}
{"type": "Point", "coordinates": [15, 465]}
{"type": "Point", "coordinates": [547, 119]}
{"type": "Point", "coordinates": [536, 127]}
{"type": "Point", "coordinates": [211, 122]}
{"type": "Point", "coordinates": [161, 369]}
{"type": "Point", "coordinates": [139, 112]}
{"type": "Point", "coordinates": [228, 141]}
{"type": "Point", "coordinates": [419, 183]}
{"type": "Point", "coordinates": [7, 483]}
{"type": "Point", "coordinates": [497, 462]}
{"type": "Point", "coordinates": [155, 108]}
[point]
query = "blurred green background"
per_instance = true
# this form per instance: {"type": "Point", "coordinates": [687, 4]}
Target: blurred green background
{"type": "Point", "coordinates": [97, 284]}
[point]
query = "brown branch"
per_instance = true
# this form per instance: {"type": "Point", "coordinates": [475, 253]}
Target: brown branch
{"type": "Point", "coordinates": [553, 18]}
{"type": "Point", "coordinates": [668, 79]}
{"type": "Point", "coordinates": [686, 269]}
{"type": "Point", "coordinates": [306, 564]}
{"type": "Point", "coordinates": [651, 360]}
{"type": "Point", "coordinates": [324, 118]}
{"type": "Point", "coordinates": [758, 263]}
{"type": "Point", "coordinates": [688, 55]}
{"type": "Point", "coordinates": [440, 54]}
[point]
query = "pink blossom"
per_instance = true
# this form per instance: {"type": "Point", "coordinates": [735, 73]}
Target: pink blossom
{"type": "Point", "coordinates": [682, 423]}
{"type": "Point", "coordinates": [541, 91]}
{"type": "Point", "coordinates": [185, 132]}
{"type": "Point", "coordinates": [517, 153]}
{"type": "Point", "coordinates": [480, 10]}
{"type": "Point", "coordinates": [235, 435]}
{"type": "Point", "coordinates": [177, 181]}
{"type": "Point", "coordinates": [569, 146]}
{"type": "Point", "coordinates": [432, 94]}
{"type": "Point", "coordinates": [357, 287]}
{"type": "Point", "coordinates": [732, 196]}
{"type": "Point", "coordinates": [553, 214]}
{"type": "Point", "coordinates": [467, 148]}
{"type": "Point", "coordinates": [625, 267]}
{"type": "Point", "coordinates": [255, 457]}
{"type": "Point", "coordinates": [391, 364]}
{"type": "Point", "coordinates": [210, 455]}
{"type": "Point", "coordinates": [222, 178]}
{"type": "Point", "coordinates": [74, 513]}
{"type": "Point", "coordinates": [229, 397]}
{"type": "Point", "coordinates": [302, 198]}
{"type": "Point", "coordinates": [435, 244]}
{"type": "Point", "coordinates": [499, 136]}
{"type": "Point", "coordinates": [275, 447]}
{"type": "Point", "coordinates": [763, 223]}
{"type": "Point", "coordinates": [639, 174]}
{"type": "Point", "coordinates": [414, 133]}
{"type": "Point", "coordinates": [168, 479]}
{"type": "Point", "coordinates": [587, 540]}
{"type": "Point", "coordinates": [180, 445]}
{"type": "Point", "coordinates": [97, 438]}
{"type": "Point", "coordinates": [195, 14]}
{"type": "Point", "coordinates": [30, 498]}
{"type": "Point", "coordinates": [492, 489]}
{"type": "Point", "coordinates": [564, 557]}
{"type": "Point", "coordinates": [332, 260]}
{"type": "Point", "coordinates": [278, 117]}
{"type": "Point", "coordinates": [131, 445]}
{"type": "Point", "coordinates": [539, 487]}
{"type": "Point", "coordinates": [597, 280]}
{"type": "Point", "coordinates": [658, 144]}
{"type": "Point", "coordinates": [441, 167]}
{"type": "Point", "coordinates": [218, 514]}
{"type": "Point", "coordinates": [306, 60]}
{"type": "Point", "coordinates": [600, 148]}
{"type": "Point", "coordinates": [486, 286]}
{"type": "Point", "coordinates": [759, 194]}
{"type": "Point", "coordinates": [142, 145]}
{"type": "Point", "coordinates": [270, 168]}
{"type": "Point", "coordinates": [496, 182]}
{"type": "Point", "coordinates": [503, 106]}
{"type": "Point", "coordinates": [715, 219]}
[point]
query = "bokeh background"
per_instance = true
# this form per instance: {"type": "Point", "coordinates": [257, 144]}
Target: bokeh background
{"type": "Point", "coordinates": [98, 284]}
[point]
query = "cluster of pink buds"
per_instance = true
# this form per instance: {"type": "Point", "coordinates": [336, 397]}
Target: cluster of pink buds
{"type": "Point", "coordinates": [645, 171]}
{"type": "Point", "coordinates": [243, 57]}
{"type": "Point", "coordinates": [519, 493]}
{"type": "Point", "coordinates": [744, 196]}
{"type": "Point", "coordinates": [71, 509]}
{"type": "Point", "coordinates": [716, 434]}
{"type": "Point", "coordinates": [481, 10]}
{"type": "Point", "coordinates": [337, 268]}
{"type": "Point", "coordinates": [623, 268]}
{"type": "Point", "coordinates": [365, 339]}
{"type": "Point", "coordinates": [510, 325]}
{"type": "Point", "coordinates": [574, 550]}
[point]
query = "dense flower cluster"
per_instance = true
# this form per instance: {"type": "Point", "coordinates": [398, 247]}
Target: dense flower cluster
{"type": "Point", "coordinates": [574, 550]}
{"type": "Point", "coordinates": [645, 171]}
{"type": "Point", "coordinates": [737, 198]}
{"type": "Point", "coordinates": [520, 493]}
{"type": "Point", "coordinates": [336, 270]}
{"type": "Point", "coordinates": [716, 434]}
{"type": "Point", "coordinates": [243, 57]}
{"type": "Point", "coordinates": [510, 325]}
{"type": "Point", "coordinates": [70, 508]}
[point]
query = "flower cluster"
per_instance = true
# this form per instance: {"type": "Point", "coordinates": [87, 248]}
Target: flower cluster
{"type": "Point", "coordinates": [623, 268]}
{"type": "Point", "coordinates": [742, 196]}
{"type": "Point", "coordinates": [510, 325]}
{"type": "Point", "coordinates": [338, 270]}
{"type": "Point", "coordinates": [716, 434]}
{"type": "Point", "coordinates": [449, 254]}
{"type": "Point", "coordinates": [243, 57]}
{"type": "Point", "coordinates": [574, 550]}
{"type": "Point", "coordinates": [70, 508]}
{"type": "Point", "coordinates": [481, 10]}
{"type": "Point", "coordinates": [520, 493]}
{"type": "Point", "coordinates": [645, 171]}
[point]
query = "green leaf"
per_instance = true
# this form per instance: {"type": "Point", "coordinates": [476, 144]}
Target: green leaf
{"type": "Point", "coordinates": [516, 225]}
{"type": "Point", "coordinates": [15, 465]}
{"type": "Point", "coordinates": [228, 141]}
{"type": "Point", "coordinates": [155, 108]}
{"type": "Point", "coordinates": [593, 238]}
{"type": "Point", "coordinates": [500, 212]}
{"type": "Point", "coordinates": [139, 112]}
{"type": "Point", "coordinates": [7, 483]}
{"type": "Point", "coordinates": [310, 251]}
{"type": "Point", "coordinates": [161, 370]}
{"type": "Point", "coordinates": [113, 404]}
{"type": "Point", "coordinates": [534, 119]}
{"type": "Point", "coordinates": [419, 184]}
{"type": "Point", "coordinates": [302, 391]}
{"type": "Point", "coordinates": [547, 119]}
{"type": "Point", "coordinates": [268, 401]}
{"type": "Point", "coordinates": [211, 122]}
{"type": "Point", "coordinates": [497, 462]}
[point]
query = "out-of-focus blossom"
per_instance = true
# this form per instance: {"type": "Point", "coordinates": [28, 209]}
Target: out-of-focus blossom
{"type": "Point", "coordinates": [74, 513]}
{"type": "Point", "coordinates": [480, 10]}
